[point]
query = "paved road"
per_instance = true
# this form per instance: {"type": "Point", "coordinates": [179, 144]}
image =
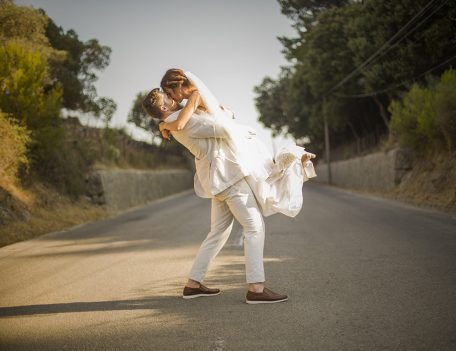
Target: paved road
{"type": "Point", "coordinates": [362, 274]}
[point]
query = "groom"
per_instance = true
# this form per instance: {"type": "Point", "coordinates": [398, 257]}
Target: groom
{"type": "Point", "coordinates": [221, 178]}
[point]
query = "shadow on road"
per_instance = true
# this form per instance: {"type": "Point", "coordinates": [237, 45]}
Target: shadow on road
{"type": "Point", "coordinates": [91, 306]}
{"type": "Point", "coordinates": [162, 296]}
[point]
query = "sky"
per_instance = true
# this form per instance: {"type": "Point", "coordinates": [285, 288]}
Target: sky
{"type": "Point", "coordinates": [229, 45]}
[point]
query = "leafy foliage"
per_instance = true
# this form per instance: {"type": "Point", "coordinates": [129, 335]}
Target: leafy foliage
{"type": "Point", "coordinates": [14, 146]}
{"type": "Point", "coordinates": [445, 107]}
{"type": "Point", "coordinates": [22, 23]}
{"type": "Point", "coordinates": [23, 95]}
{"type": "Point", "coordinates": [333, 39]}
{"type": "Point", "coordinates": [42, 69]}
{"type": "Point", "coordinates": [77, 73]}
{"type": "Point", "coordinates": [413, 118]}
{"type": "Point", "coordinates": [425, 116]}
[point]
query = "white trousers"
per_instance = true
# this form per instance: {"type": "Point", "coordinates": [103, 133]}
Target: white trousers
{"type": "Point", "coordinates": [238, 202]}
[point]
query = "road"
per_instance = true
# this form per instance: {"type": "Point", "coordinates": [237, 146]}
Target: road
{"type": "Point", "coordinates": [361, 273]}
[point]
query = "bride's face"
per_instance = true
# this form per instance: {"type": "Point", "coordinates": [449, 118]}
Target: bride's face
{"type": "Point", "coordinates": [177, 94]}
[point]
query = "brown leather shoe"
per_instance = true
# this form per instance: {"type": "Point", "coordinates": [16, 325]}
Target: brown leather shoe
{"type": "Point", "coordinates": [191, 293]}
{"type": "Point", "coordinates": [267, 296]}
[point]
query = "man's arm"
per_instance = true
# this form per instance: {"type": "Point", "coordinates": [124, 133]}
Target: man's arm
{"type": "Point", "coordinates": [205, 127]}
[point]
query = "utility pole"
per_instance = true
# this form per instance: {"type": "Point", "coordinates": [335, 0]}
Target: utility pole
{"type": "Point", "coordinates": [327, 152]}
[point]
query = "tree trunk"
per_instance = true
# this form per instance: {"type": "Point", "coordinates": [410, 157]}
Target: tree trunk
{"type": "Point", "coordinates": [383, 113]}
{"type": "Point", "coordinates": [327, 146]}
{"type": "Point", "coordinates": [358, 141]}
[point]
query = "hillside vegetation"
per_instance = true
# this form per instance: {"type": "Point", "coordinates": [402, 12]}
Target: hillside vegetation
{"type": "Point", "coordinates": [44, 158]}
{"type": "Point", "coordinates": [356, 63]}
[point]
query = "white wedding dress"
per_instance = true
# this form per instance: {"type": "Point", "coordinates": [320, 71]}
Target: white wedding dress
{"type": "Point", "coordinates": [275, 180]}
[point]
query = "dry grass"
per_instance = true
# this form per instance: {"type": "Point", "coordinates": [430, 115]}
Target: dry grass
{"type": "Point", "coordinates": [49, 212]}
{"type": "Point", "coordinates": [431, 182]}
{"type": "Point", "coordinates": [17, 192]}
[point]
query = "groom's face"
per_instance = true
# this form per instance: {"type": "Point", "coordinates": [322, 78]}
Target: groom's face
{"type": "Point", "coordinates": [169, 104]}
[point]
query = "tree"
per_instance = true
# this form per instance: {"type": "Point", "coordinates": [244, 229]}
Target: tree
{"type": "Point", "coordinates": [106, 108]}
{"type": "Point", "coordinates": [333, 39]}
{"type": "Point", "coordinates": [24, 76]}
{"type": "Point", "coordinates": [22, 23]}
{"type": "Point", "coordinates": [13, 151]}
{"type": "Point", "coordinates": [78, 72]}
{"type": "Point", "coordinates": [426, 115]}
{"type": "Point", "coordinates": [36, 78]}
{"type": "Point", "coordinates": [304, 15]}
{"type": "Point", "coordinates": [445, 107]}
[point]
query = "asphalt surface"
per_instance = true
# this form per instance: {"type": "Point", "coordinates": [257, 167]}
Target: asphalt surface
{"type": "Point", "coordinates": [361, 274]}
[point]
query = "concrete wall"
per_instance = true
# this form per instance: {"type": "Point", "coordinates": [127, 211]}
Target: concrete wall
{"type": "Point", "coordinates": [379, 171]}
{"type": "Point", "coordinates": [121, 189]}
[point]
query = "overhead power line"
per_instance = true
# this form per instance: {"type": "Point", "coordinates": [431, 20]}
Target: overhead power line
{"type": "Point", "coordinates": [393, 87]}
{"type": "Point", "coordinates": [382, 48]}
{"type": "Point", "coordinates": [408, 33]}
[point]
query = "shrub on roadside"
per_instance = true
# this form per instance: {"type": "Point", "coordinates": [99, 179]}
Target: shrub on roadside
{"type": "Point", "coordinates": [426, 116]}
{"type": "Point", "coordinates": [413, 119]}
{"type": "Point", "coordinates": [445, 106]}
{"type": "Point", "coordinates": [27, 98]}
{"type": "Point", "coordinates": [15, 139]}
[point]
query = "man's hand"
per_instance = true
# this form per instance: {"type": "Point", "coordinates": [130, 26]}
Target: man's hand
{"type": "Point", "coordinates": [166, 134]}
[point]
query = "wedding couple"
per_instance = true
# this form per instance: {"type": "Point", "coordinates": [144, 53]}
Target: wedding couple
{"type": "Point", "coordinates": [235, 170]}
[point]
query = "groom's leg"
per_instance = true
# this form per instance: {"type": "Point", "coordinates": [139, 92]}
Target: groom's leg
{"type": "Point", "coordinates": [244, 207]}
{"type": "Point", "coordinates": [221, 225]}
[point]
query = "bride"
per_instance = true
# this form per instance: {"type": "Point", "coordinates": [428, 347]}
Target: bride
{"type": "Point", "coordinates": [276, 181]}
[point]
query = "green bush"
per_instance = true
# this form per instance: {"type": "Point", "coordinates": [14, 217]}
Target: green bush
{"type": "Point", "coordinates": [445, 106]}
{"type": "Point", "coordinates": [27, 98]}
{"type": "Point", "coordinates": [426, 116]}
{"type": "Point", "coordinates": [14, 147]}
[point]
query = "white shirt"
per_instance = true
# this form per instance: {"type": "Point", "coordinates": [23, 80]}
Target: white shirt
{"type": "Point", "coordinates": [217, 166]}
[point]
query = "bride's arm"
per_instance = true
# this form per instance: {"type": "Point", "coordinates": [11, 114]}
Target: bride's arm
{"type": "Point", "coordinates": [184, 115]}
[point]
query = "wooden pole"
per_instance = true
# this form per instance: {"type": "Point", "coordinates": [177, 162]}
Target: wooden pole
{"type": "Point", "coordinates": [327, 146]}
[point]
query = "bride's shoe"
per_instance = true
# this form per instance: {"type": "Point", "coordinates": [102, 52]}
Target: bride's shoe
{"type": "Point", "coordinates": [285, 157]}
{"type": "Point", "coordinates": [307, 164]}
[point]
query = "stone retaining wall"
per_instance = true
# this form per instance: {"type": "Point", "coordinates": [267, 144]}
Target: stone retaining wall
{"type": "Point", "coordinates": [122, 189]}
{"type": "Point", "coordinates": [380, 171]}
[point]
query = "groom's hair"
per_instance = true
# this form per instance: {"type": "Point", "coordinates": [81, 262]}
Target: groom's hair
{"type": "Point", "coordinates": [152, 102]}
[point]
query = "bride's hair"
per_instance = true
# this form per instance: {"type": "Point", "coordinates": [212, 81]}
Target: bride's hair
{"type": "Point", "coordinates": [175, 78]}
